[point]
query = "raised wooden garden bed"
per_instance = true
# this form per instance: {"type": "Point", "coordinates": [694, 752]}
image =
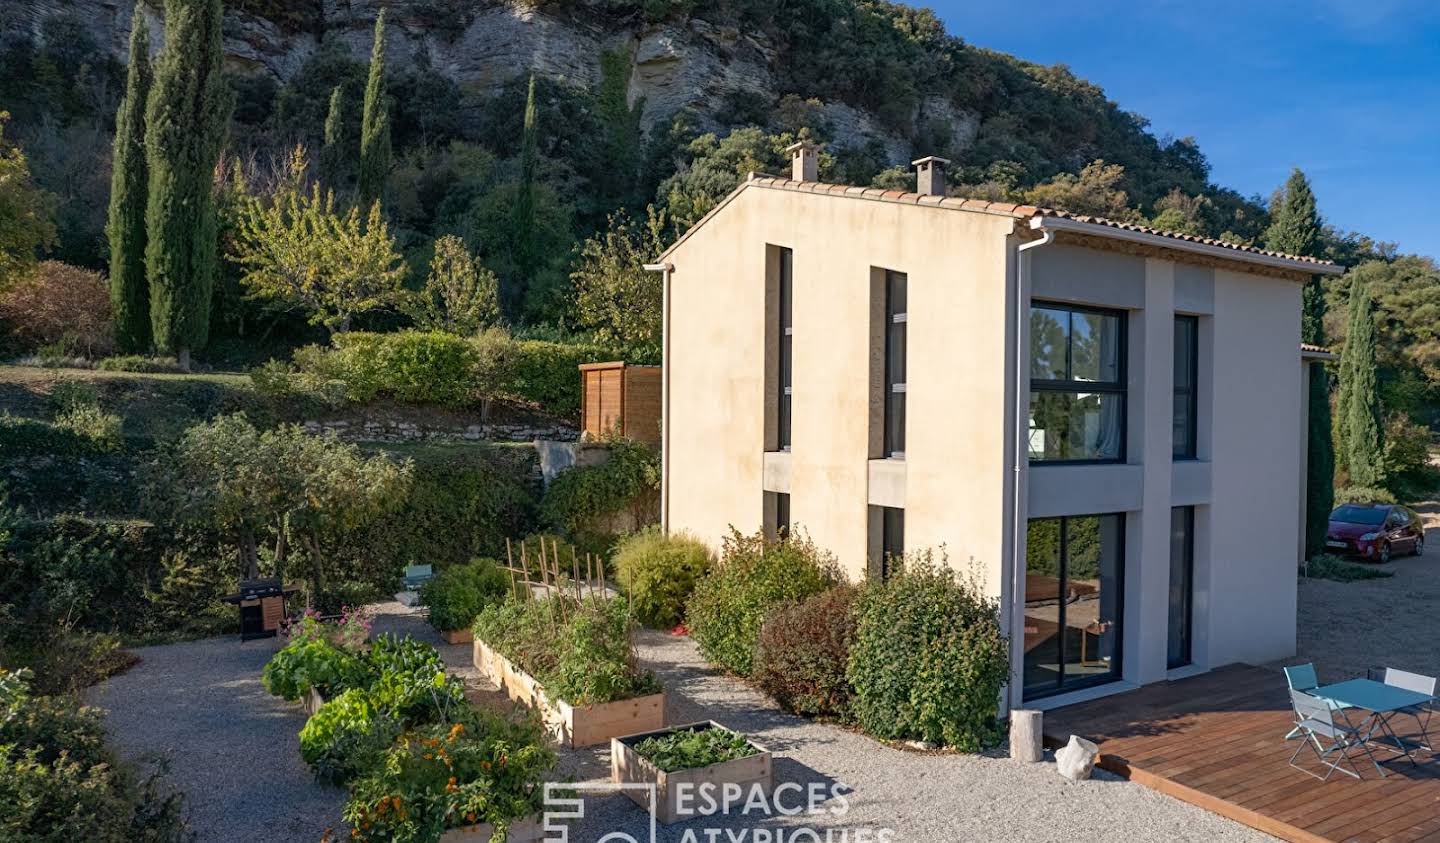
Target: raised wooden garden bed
{"type": "Point", "coordinates": [528, 830]}
{"type": "Point", "coordinates": [457, 636]}
{"type": "Point", "coordinates": [572, 726]}
{"type": "Point", "coordinates": [629, 767]}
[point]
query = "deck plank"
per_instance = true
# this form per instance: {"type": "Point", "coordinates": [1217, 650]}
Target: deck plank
{"type": "Point", "coordinates": [1217, 741]}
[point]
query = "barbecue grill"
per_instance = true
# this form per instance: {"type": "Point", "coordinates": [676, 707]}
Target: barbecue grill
{"type": "Point", "coordinates": [262, 607]}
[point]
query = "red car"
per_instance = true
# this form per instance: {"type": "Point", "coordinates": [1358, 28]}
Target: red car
{"type": "Point", "coordinates": [1374, 531]}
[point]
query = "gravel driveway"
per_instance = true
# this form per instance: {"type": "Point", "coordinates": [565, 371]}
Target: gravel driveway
{"type": "Point", "coordinates": [1392, 622]}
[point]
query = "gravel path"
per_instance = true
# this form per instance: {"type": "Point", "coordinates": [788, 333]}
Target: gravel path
{"type": "Point", "coordinates": [230, 745]}
{"type": "Point", "coordinates": [1392, 622]}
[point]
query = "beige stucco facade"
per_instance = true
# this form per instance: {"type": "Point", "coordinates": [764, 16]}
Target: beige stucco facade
{"type": "Point", "coordinates": [958, 480]}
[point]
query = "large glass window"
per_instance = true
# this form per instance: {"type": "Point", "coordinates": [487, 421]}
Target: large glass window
{"type": "Point", "coordinates": [895, 323]}
{"type": "Point", "coordinates": [1187, 344]}
{"type": "Point", "coordinates": [1077, 384]}
{"type": "Point", "coordinates": [1074, 601]}
{"type": "Point", "coordinates": [1182, 584]}
{"type": "Point", "coordinates": [787, 348]}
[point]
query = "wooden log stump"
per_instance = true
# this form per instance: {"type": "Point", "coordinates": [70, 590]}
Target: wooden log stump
{"type": "Point", "coordinates": [1026, 736]}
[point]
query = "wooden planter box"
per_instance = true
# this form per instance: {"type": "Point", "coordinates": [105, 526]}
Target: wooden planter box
{"type": "Point", "coordinates": [457, 636]}
{"type": "Point", "coordinates": [528, 830]}
{"type": "Point", "coordinates": [572, 726]}
{"type": "Point", "coordinates": [629, 767]}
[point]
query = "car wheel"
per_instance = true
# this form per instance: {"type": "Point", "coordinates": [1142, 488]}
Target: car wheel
{"type": "Point", "coordinates": [1419, 546]}
{"type": "Point", "coordinates": [1384, 555]}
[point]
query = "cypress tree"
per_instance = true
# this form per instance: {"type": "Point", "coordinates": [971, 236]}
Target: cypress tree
{"type": "Point", "coordinates": [332, 154]}
{"type": "Point", "coordinates": [375, 124]}
{"type": "Point", "coordinates": [125, 225]}
{"type": "Point", "coordinates": [523, 238]}
{"type": "Point", "coordinates": [185, 122]}
{"type": "Point", "coordinates": [1295, 230]}
{"type": "Point", "coordinates": [1363, 443]}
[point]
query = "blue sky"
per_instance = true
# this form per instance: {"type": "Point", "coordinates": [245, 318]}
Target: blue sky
{"type": "Point", "coordinates": [1348, 90]}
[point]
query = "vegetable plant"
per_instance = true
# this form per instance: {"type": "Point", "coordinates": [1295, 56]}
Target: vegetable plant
{"type": "Point", "coordinates": [689, 749]}
{"type": "Point", "coordinates": [457, 594]}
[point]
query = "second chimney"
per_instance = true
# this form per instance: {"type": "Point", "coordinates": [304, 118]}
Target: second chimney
{"type": "Point", "coordinates": [804, 161]}
{"type": "Point", "coordinates": [930, 175]}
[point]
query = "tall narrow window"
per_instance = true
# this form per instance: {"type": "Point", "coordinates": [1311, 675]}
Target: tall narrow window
{"type": "Point", "coordinates": [1182, 585]}
{"type": "Point", "coordinates": [895, 322]}
{"type": "Point", "coordinates": [1187, 345]}
{"type": "Point", "coordinates": [892, 537]}
{"type": "Point", "coordinates": [782, 515]}
{"type": "Point", "coordinates": [1077, 384]}
{"type": "Point", "coordinates": [787, 350]}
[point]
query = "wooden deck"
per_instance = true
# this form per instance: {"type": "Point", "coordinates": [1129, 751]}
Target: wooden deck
{"type": "Point", "coordinates": [1217, 741]}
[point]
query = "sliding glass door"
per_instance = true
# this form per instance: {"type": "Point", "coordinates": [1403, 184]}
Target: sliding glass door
{"type": "Point", "coordinates": [1074, 601]}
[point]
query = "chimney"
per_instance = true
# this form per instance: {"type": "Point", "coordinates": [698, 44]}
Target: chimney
{"type": "Point", "coordinates": [804, 161]}
{"type": "Point", "coordinates": [930, 175]}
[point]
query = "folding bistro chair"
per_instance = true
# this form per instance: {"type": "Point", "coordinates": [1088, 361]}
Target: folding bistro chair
{"type": "Point", "coordinates": [1330, 741]}
{"type": "Point", "coordinates": [1301, 677]}
{"type": "Point", "coordinates": [1422, 712]}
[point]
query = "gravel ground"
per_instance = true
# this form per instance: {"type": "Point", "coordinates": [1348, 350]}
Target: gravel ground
{"type": "Point", "coordinates": [1392, 622]}
{"type": "Point", "coordinates": [230, 745]}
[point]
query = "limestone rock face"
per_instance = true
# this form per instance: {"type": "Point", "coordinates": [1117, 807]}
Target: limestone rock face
{"type": "Point", "coordinates": [482, 44]}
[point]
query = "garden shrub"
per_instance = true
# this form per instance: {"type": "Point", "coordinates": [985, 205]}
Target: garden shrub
{"type": "Point", "coordinates": [60, 782]}
{"type": "Point", "coordinates": [581, 652]}
{"type": "Point", "coordinates": [803, 651]}
{"type": "Point", "coordinates": [138, 363]}
{"type": "Point", "coordinates": [99, 429]}
{"type": "Point", "coordinates": [432, 367]}
{"type": "Point", "coordinates": [1363, 494]}
{"type": "Point", "coordinates": [458, 593]}
{"type": "Point", "coordinates": [67, 395]}
{"type": "Point", "coordinates": [474, 768]}
{"type": "Point", "coordinates": [629, 481]}
{"type": "Point", "coordinates": [546, 375]}
{"type": "Point", "coordinates": [754, 575]}
{"type": "Point", "coordinates": [659, 572]}
{"type": "Point", "coordinates": [928, 658]}
{"type": "Point", "coordinates": [60, 304]}
{"type": "Point", "coordinates": [26, 437]}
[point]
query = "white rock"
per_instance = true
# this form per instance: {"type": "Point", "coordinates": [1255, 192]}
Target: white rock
{"type": "Point", "coordinates": [1076, 760]}
{"type": "Point", "coordinates": [1026, 736]}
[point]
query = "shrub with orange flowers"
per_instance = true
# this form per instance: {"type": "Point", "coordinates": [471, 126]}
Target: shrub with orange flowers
{"type": "Point", "coordinates": [480, 768]}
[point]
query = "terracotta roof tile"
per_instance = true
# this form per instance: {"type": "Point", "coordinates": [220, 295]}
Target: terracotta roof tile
{"type": "Point", "coordinates": [1314, 349]}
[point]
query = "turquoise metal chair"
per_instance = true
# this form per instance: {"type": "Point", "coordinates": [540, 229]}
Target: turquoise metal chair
{"type": "Point", "coordinates": [1302, 678]}
{"type": "Point", "coordinates": [1330, 741]}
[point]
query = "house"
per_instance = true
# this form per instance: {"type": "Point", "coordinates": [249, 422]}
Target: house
{"type": "Point", "coordinates": [1100, 419]}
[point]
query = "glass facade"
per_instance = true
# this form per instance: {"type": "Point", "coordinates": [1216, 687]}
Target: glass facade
{"type": "Point", "coordinates": [1187, 342]}
{"type": "Point", "coordinates": [1077, 383]}
{"type": "Point", "coordinates": [1182, 585]}
{"type": "Point", "coordinates": [1074, 603]}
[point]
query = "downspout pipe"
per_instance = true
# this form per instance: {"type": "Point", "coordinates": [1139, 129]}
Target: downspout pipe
{"type": "Point", "coordinates": [665, 269]}
{"type": "Point", "coordinates": [1020, 449]}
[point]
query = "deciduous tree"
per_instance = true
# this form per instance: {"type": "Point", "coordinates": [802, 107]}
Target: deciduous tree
{"type": "Point", "coordinates": [614, 294]}
{"type": "Point", "coordinates": [129, 185]}
{"type": "Point", "coordinates": [25, 213]}
{"type": "Point", "coordinates": [460, 295]}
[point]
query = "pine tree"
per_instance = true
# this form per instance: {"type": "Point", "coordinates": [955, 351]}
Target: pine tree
{"type": "Point", "coordinates": [523, 236]}
{"type": "Point", "coordinates": [1295, 230]}
{"type": "Point", "coordinates": [333, 154]}
{"type": "Point", "coordinates": [185, 123]}
{"type": "Point", "coordinates": [125, 225]}
{"type": "Point", "coordinates": [1363, 442]}
{"type": "Point", "coordinates": [375, 124]}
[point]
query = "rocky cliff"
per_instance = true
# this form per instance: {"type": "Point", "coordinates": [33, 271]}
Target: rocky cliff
{"type": "Point", "coordinates": [481, 44]}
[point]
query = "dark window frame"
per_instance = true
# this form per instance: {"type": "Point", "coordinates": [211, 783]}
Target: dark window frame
{"type": "Point", "coordinates": [1117, 671]}
{"type": "Point", "coordinates": [782, 515]}
{"type": "Point", "coordinates": [891, 545]}
{"type": "Point", "coordinates": [895, 391]}
{"type": "Point", "coordinates": [1119, 386]}
{"type": "Point", "coordinates": [1189, 449]}
{"type": "Point", "coordinates": [785, 316]}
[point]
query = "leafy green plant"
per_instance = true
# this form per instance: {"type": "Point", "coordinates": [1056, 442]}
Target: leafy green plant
{"type": "Point", "coordinates": [346, 736]}
{"type": "Point", "coordinates": [659, 573]}
{"type": "Point", "coordinates": [137, 363]}
{"type": "Point", "coordinates": [754, 575]}
{"type": "Point", "coordinates": [479, 768]}
{"type": "Point", "coordinates": [803, 651]}
{"type": "Point", "coordinates": [92, 424]}
{"type": "Point", "coordinates": [928, 658]}
{"type": "Point", "coordinates": [1363, 494]}
{"type": "Point", "coordinates": [629, 481]}
{"type": "Point", "coordinates": [1330, 567]}
{"type": "Point", "coordinates": [581, 652]}
{"type": "Point", "coordinates": [690, 749]}
{"type": "Point", "coordinates": [457, 594]}
{"type": "Point", "coordinates": [313, 663]}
